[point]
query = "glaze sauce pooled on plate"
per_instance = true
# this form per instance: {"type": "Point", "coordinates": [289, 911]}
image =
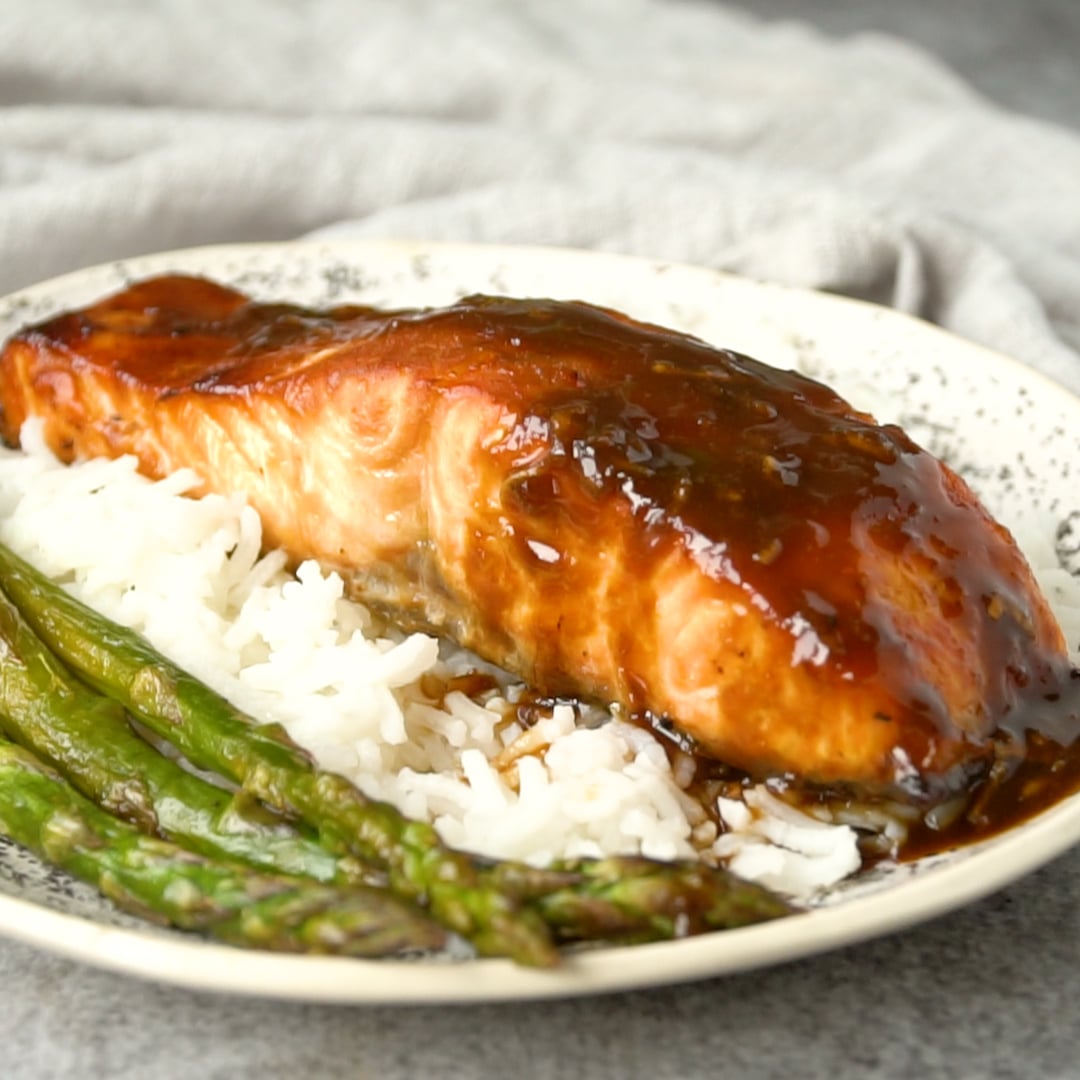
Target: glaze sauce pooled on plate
{"type": "Point", "coordinates": [1037, 765]}
{"type": "Point", "coordinates": [609, 509]}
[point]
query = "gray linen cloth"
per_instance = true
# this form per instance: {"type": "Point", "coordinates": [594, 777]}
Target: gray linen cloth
{"type": "Point", "coordinates": [677, 130]}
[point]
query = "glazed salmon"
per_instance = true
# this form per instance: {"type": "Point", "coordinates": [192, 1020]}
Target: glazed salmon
{"type": "Point", "coordinates": [611, 510]}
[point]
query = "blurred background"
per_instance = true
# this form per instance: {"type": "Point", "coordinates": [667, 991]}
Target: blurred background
{"type": "Point", "coordinates": [1022, 55]}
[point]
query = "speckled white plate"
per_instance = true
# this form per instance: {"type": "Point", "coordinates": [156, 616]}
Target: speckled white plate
{"type": "Point", "coordinates": [1012, 433]}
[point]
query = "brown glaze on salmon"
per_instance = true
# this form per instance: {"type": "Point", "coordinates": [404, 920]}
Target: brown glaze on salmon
{"type": "Point", "coordinates": [610, 509]}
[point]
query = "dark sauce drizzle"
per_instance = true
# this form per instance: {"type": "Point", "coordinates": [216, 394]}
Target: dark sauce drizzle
{"type": "Point", "coordinates": [819, 484]}
{"type": "Point", "coordinates": [800, 488]}
{"type": "Point", "coordinates": [1036, 765]}
{"type": "Point", "coordinates": [819, 479]}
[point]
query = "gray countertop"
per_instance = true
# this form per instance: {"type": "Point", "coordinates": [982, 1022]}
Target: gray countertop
{"type": "Point", "coordinates": [987, 991]}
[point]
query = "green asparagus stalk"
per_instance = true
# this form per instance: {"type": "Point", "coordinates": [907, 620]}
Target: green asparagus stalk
{"type": "Point", "coordinates": [269, 766]}
{"type": "Point", "coordinates": [635, 899]}
{"type": "Point", "coordinates": [87, 737]}
{"type": "Point", "coordinates": [158, 880]}
{"type": "Point", "coordinates": [614, 899]}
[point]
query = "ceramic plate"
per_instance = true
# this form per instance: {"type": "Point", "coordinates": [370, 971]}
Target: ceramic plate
{"type": "Point", "coordinates": [1009, 431]}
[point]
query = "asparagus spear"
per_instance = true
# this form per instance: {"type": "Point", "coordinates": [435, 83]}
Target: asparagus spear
{"type": "Point", "coordinates": [635, 899]}
{"type": "Point", "coordinates": [616, 898]}
{"type": "Point", "coordinates": [269, 766]}
{"type": "Point", "coordinates": [158, 880]}
{"type": "Point", "coordinates": [87, 737]}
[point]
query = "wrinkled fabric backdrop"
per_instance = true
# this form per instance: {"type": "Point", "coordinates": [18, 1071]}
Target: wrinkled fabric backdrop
{"type": "Point", "coordinates": [679, 130]}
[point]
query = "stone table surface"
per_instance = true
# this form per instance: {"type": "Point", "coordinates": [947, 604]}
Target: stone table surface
{"type": "Point", "coordinates": [990, 991]}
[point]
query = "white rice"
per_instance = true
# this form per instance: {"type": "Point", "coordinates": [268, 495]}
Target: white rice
{"type": "Point", "coordinates": [370, 704]}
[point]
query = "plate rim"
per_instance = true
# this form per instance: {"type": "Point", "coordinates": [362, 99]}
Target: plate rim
{"type": "Point", "coordinates": [196, 964]}
{"type": "Point", "coordinates": [407, 246]}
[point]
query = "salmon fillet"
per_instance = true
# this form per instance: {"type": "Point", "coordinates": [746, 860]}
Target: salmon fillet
{"type": "Point", "coordinates": [609, 509]}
